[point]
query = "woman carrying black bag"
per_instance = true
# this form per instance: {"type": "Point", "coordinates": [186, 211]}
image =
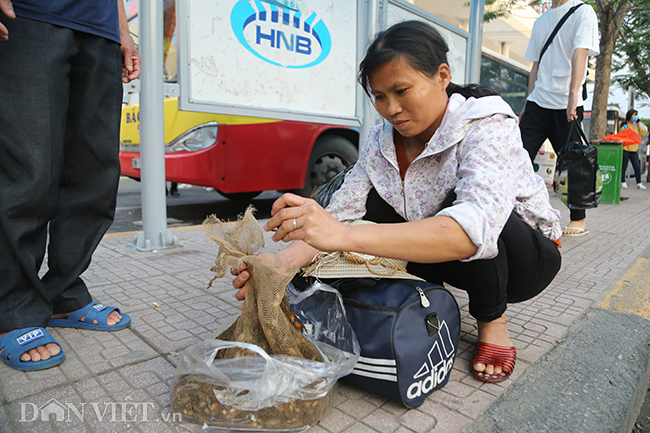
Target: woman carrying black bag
{"type": "Point", "coordinates": [449, 184]}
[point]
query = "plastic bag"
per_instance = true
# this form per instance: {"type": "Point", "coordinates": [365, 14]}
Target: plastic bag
{"type": "Point", "coordinates": [323, 195]}
{"type": "Point", "coordinates": [268, 392]}
{"type": "Point", "coordinates": [627, 136]}
{"type": "Point", "coordinates": [577, 178]}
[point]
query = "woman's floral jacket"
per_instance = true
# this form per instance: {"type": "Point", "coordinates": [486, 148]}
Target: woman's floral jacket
{"type": "Point", "coordinates": [476, 152]}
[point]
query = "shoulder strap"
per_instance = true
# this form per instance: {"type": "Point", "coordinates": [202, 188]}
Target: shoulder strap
{"type": "Point", "coordinates": [557, 29]}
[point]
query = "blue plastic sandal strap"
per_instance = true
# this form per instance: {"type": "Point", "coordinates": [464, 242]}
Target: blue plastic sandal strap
{"type": "Point", "coordinates": [23, 340]}
{"type": "Point", "coordinates": [76, 316]}
{"type": "Point", "coordinates": [99, 312]}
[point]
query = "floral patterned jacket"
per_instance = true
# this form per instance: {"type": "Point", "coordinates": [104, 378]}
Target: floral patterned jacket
{"type": "Point", "coordinates": [476, 152]}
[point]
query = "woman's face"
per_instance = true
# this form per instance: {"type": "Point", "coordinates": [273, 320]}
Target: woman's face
{"type": "Point", "coordinates": [414, 103]}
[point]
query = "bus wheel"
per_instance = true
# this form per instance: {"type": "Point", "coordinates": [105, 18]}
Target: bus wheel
{"type": "Point", "coordinates": [241, 196]}
{"type": "Point", "coordinates": [331, 154]}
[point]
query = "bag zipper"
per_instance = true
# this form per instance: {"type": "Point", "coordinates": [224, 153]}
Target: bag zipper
{"type": "Point", "coordinates": [424, 302]}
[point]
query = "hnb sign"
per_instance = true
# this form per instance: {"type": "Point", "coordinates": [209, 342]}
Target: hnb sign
{"type": "Point", "coordinates": [281, 36]}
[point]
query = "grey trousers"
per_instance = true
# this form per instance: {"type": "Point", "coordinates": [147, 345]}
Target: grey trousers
{"type": "Point", "coordinates": [60, 100]}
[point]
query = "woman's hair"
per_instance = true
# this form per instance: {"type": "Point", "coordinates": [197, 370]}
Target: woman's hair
{"type": "Point", "coordinates": [419, 44]}
{"type": "Point", "coordinates": [629, 114]}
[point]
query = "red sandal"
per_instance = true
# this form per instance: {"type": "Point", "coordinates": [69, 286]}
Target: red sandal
{"type": "Point", "coordinates": [504, 357]}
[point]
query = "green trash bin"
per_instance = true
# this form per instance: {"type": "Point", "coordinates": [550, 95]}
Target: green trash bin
{"type": "Point", "coordinates": [610, 161]}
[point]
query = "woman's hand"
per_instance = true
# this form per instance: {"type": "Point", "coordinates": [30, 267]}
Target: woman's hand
{"type": "Point", "coordinates": [299, 218]}
{"type": "Point", "coordinates": [242, 275]}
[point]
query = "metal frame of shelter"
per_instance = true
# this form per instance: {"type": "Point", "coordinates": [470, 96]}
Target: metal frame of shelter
{"type": "Point", "coordinates": [371, 18]}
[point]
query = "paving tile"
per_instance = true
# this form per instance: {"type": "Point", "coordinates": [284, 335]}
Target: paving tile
{"type": "Point", "coordinates": [356, 408]}
{"type": "Point", "coordinates": [4, 420]}
{"type": "Point", "coordinates": [17, 385]}
{"type": "Point", "coordinates": [403, 429]}
{"type": "Point", "coordinates": [533, 351]}
{"type": "Point", "coordinates": [352, 392]}
{"type": "Point", "coordinates": [359, 428]}
{"type": "Point", "coordinates": [447, 421]}
{"type": "Point", "coordinates": [394, 408]}
{"type": "Point", "coordinates": [375, 399]}
{"type": "Point", "coordinates": [157, 389]}
{"type": "Point", "coordinates": [470, 406]}
{"type": "Point", "coordinates": [382, 421]}
{"type": "Point", "coordinates": [108, 368]}
{"type": "Point", "coordinates": [458, 389]}
{"type": "Point", "coordinates": [336, 421]}
{"type": "Point", "coordinates": [417, 420]}
{"type": "Point", "coordinates": [317, 429]}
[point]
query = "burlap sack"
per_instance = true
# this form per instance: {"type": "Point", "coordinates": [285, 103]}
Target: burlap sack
{"type": "Point", "coordinates": [265, 322]}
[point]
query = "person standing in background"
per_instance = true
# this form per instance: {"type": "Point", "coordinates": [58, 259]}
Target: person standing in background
{"type": "Point", "coordinates": [62, 65]}
{"type": "Point", "coordinates": [631, 153]}
{"type": "Point", "coordinates": [554, 92]}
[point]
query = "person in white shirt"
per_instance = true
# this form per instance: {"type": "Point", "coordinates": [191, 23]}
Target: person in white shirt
{"type": "Point", "coordinates": [554, 91]}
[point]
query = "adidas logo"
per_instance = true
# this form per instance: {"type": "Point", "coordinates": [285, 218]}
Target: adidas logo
{"type": "Point", "coordinates": [434, 371]}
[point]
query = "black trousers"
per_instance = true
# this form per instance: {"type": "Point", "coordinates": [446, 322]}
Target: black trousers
{"type": "Point", "coordinates": [526, 264]}
{"type": "Point", "coordinates": [632, 157]}
{"type": "Point", "coordinates": [60, 101]}
{"type": "Point", "coordinates": [537, 124]}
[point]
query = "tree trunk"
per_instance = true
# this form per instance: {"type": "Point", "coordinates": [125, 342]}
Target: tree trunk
{"type": "Point", "coordinates": [610, 19]}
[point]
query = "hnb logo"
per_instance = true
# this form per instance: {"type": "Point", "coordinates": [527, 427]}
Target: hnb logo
{"type": "Point", "coordinates": [281, 36]}
{"type": "Point", "coordinates": [433, 373]}
{"type": "Point", "coordinates": [30, 336]}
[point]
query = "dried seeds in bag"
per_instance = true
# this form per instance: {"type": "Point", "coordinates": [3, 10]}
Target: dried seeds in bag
{"type": "Point", "coordinates": [262, 372]}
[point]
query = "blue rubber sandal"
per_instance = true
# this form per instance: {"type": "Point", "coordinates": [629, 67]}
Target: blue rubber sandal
{"type": "Point", "coordinates": [19, 341]}
{"type": "Point", "coordinates": [92, 311]}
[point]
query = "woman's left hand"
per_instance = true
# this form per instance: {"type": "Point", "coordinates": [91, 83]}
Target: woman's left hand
{"type": "Point", "coordinates": [299, 218]}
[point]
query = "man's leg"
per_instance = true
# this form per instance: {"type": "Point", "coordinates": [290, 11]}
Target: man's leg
{"type": "Point", "coordinates": [88, 188]}
{"type": "Point", "coordinates": [34, 87]}
{"type": "Point", "coordinates": [560, 134]}
{"type": "Point", "coordinates": [534, 128]}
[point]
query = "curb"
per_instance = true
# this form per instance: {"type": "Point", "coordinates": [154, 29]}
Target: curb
{"type": "Point", "coordinates": [594, 381]}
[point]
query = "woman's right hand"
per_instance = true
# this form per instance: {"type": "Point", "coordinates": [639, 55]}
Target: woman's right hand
{"type": "Point", "coordinates": [242, 275]}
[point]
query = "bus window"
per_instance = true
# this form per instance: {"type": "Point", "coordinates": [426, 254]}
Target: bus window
{"type": "Point", "coordinates": [511, 83]}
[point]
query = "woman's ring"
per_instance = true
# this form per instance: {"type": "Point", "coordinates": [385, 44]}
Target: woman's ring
{"type": "Point", "coordinates": [295, 226]}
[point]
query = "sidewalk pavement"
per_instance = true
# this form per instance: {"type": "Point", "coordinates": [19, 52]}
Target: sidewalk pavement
{"type": "Point", "coordinates": [583, 344]}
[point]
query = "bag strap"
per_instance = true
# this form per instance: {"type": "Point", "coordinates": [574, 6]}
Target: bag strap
{"type": "Point", "coordinates": [575, 125]}
{"type": "Point", "coordinates": [557, 29]}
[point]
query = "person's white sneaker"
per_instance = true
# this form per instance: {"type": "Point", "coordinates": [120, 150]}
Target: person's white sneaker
{"type": "Point", "coordinates": [640, 186]}
{"type": "Point", "coordinates": [624, 185]}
